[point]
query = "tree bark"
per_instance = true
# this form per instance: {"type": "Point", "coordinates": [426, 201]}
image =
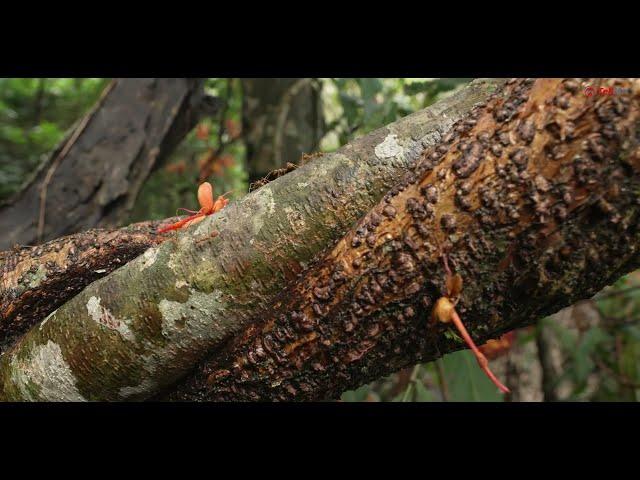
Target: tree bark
{"type": "Point", "coordinates": [281, 121]}
{"type": "Point", "coordinates": [94, 176]}
{"type": "Point", "coordinates": [533, 198]}
{"type": "Point", "coordinates": [34, 281]}
{"type": "Point", "coordinates": [137, 331]}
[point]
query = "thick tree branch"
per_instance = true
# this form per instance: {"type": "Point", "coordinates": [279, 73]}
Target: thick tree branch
{"type": "Point", "coordinates": [535, 200]}
{"type": "Point", "coordinates": [143, 327]}
{"type": "Point", "coordinates": [34, 281]}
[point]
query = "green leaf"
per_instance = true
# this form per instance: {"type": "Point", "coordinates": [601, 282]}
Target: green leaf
{"type": "Point", "coordinates": [423, 394]}
{"type": "Point", "coordinates": [370, 87]}
{"type": "Point", "coordinates": [358, 395]}
{"type": "Point", "coordinates": [414, 88]}
{"type": "Point", "coordinates": [582, 356]}
{"type": "Point", "coordinates": [13, 134]}
{"type": "Point", "coordinates": [466, 381]}
{"type": "Point", "coordinates": [351, 107]}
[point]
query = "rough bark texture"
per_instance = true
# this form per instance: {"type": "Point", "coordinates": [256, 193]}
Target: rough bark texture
{"type": "Point", "coordinates": [534, 198]}
{"type": "Point", "coordinates": [139, 330]}
{"type": "Point", "coordinates": [281, 120]}
{"type": "Point", "coordinates": [34, 281]}
{"type": "Point", "coordinates": [95, 179]}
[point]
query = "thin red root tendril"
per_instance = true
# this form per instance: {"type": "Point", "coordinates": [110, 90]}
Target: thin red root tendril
{"type": "Point", "coordinates": [482, 360]}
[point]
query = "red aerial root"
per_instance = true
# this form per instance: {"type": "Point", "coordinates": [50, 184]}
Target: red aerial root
{"type": "Point", "coordinates": [482, 360]}
{"type": "Point", "coordinates": [444, 311]}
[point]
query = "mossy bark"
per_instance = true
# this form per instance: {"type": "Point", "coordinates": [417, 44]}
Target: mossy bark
{"type": "Point", "coordinates": [137, 331]}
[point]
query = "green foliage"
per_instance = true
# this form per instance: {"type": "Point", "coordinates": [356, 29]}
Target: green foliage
{"type": "Point", "coordinates": [465, 381]}
{"type": "Point", "coordinates": [416, 390]}
{"type": "Point", "coordinates": [34, 115]}
{"type": "Point", "coordinates": [362, 394]}
{"type": "Point", "coordinates": [355, 106]}
{"type": "Point", "coordinates": [601, 363]}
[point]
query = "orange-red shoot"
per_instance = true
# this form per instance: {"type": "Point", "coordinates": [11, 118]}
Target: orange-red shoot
{"type": "Point", "coordinates": [208, 206]}
{"type": "Point", "coordinates": [445, 312]}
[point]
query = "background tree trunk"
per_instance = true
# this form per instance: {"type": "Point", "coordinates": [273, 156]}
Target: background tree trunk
{"type": "Point", "coordinates": [95, 174]}
{"type": "Point", "coordinates": [281, 119]}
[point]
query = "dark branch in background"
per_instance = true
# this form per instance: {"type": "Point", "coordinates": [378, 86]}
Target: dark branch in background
{"type": "Point", "coordinates": [281, 120]}
{"type": "Point", "coordinates": [208, 167]}
{"type": "Point", "coordinates": [93, 177]}
{"type": "Point", "coordinates": [545, 357]}
{"type": "Point", "coordinates": [282, 115]}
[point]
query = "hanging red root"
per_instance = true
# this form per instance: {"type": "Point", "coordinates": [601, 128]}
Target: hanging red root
{"type": "Point", "coordinates": [444, 311]}
{"type": "Point", "coordinates": [482, 360]}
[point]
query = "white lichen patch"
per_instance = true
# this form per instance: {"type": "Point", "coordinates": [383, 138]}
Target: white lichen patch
{"type": "Point", "coordinates": [389, 147]}
{"type": "Point", "coordinates": [148, 258]}
{"type": "Point", "coordinates": [195, 325]}
{"type": "Point", "coordinates": [181, 283]}
{"type": "Point", "coordinates": [105, 318]}
{"type": "Point", "coordinates": [193, 318]}
{"type": "Point", "coordinates": [296, 219]}
{"type": "Point", "coordinates": [38, 276]}
{"type": "Point", "coordinates": [179, 248]}
{"type": "Point", "coordinates": [262, 205]}
{"type": "Point", "coordinates": [94, 308]}
{"type": "Point", "coordinates": [174, 261]}
{"type": "Point", "coordinates": [302, 185]}
{"type": "Point", "coordinates": [202, 230]}
{"type": "Point", "coordinates": [46, 319]}
{"type": "Point", "coordinates": [264, 197]}
{"type": "Point", "coordinates": [45, 376]}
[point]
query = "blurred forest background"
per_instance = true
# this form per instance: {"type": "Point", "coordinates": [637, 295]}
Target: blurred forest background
{"type": "Point", "coordinates": [587, 352]}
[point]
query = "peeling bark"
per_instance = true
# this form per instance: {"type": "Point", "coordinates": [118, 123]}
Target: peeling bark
{"type": "Point", "coordinates": [134, 333]}
{"type": "Point", "coordinates": [94, 176]}
{"type": "Point", "coordinates": [534, 197]}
